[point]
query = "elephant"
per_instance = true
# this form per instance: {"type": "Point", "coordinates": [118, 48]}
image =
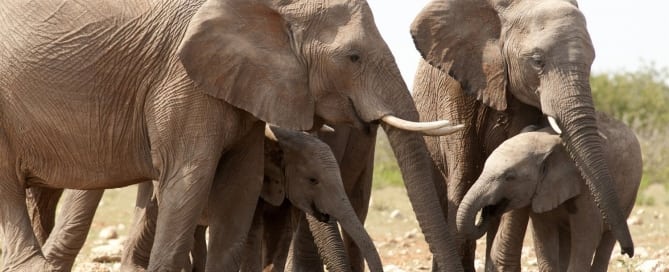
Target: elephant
{"type": "Point", "coordinates": [533, 169]}
{"type": "Point", "coordinates": [99, 94]}
{"type": "Point", "coordinates": [502, 65]}
{"type": "Point", "coordinates": [298, 167]}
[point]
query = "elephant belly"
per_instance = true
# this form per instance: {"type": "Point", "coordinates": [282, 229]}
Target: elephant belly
{"type": "Point", "coordinates": [76, 141]}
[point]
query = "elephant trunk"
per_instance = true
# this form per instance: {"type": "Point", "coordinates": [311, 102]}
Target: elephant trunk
{"type": "Point", "coordinates": [329, 243]}
{"type": "Point", "coordinates": [575, 115]}
{"type": "Point", "coordinates": [416, 166]}
{"type": "Point", "coordinates": [469, 207]}
{"type": "Point", "coordinates": [347, 218]}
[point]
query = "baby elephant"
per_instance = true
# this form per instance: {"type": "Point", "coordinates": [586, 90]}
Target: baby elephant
{"type": "Point", "coordinates": [534, 169]}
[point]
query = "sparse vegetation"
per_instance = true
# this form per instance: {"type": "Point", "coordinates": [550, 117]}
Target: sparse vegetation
{"type": "Point", "coordinates": [641, 100]}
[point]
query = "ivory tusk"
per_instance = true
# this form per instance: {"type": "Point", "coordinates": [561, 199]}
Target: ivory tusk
{"type": "Point", "coordinates": [270, 134]}
{"type": "Point", "coordinates": [554, 125]}
{"type": "Point", "coordinates": [443, 131]}
{"type": "Point", "coordinates": [414, 126]}
{"type": "Point", "coordinates": [326, 128]}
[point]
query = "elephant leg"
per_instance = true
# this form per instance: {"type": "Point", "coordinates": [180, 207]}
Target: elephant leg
{"type": "Point", "coordinates": [603, 253]}
{"type": "Point", "coordinates": [72, 226]}
{"type": "Point", "coordinates": [233, 200]}
{"type": "Point", "coordinates": [277, 236]}
{"type": "Point", "coordinates": [506, 249]}
{"type": "Point", "coordinates": [546, 241]}
{"type": "Point", "coordinates": [199, 253]}
{"type": "Point", "coordinates": [304, 254]}
{"type": "Point", "coordinates": [586, 233]}
{"type": "Point", "coordinates": [252, 255]}
{"type": "Point", "coordinates": [140, 240]}
{"type": "Point", "coordinates": [20, 249]}
{"type": "Point", "coordinates": [42, 204]}
{"type": "Point", "coordinates": [565, 248]}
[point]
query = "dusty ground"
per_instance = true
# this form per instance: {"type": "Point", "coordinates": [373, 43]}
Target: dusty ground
{"type": "Point", "coordinates": [394, 229]}
{"type": "Point", "coordinates": [401, 245]}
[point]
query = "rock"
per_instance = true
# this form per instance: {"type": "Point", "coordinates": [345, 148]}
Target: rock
{"type": "Point", "coordinates": [411, 234]}
{"type": "Point", "coordinates": [396, 214]}
{"type": "Point", "coordinates": [635, 221]}
{"type": "Point", "coordinates": [92, 267]}
{"type": "Point", "coordinates": [392, 268]}
{"type": "Point", "coordinates": [106, 253]}
{"type": "Point", "coordinates": [640, 252]}
{"type": "Point", "coordinates": [652, 266]}
{"type": "Point", "coordinates": [108, 233]}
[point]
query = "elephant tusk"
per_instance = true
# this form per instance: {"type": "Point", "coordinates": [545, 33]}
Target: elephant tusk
{"type": "Point", "coordinates": [414, 126]}
{"type": "Point", "coordinates": [270, 134]}
{"type": "Point", "coordinates": [554, 125]}
{"type": "Point", "coordinates": [326, 128]}
{"type": "Point", "coordinates": [443, 131]}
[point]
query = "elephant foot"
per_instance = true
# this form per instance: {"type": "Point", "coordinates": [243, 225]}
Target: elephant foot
{"type": "Point", "coordinates": [34, 263]}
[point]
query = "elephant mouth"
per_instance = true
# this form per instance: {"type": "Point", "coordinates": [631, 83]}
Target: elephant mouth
{"type": "Point", "coordinates": [318, 214]}
{"type": "Point", "coordinates": [488, 214]}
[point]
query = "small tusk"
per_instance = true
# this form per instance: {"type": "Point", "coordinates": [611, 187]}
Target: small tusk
{"type": "Point", "coordinates": [443, 131]}
{"type": "Point", "coordinates": [326, 128]}
{"type": "Point", "coordinates": [554, 125]}
{"type": "Point", "coordinates": [270, 134]}
{"type": "Point", "coordinates": [414, 126]}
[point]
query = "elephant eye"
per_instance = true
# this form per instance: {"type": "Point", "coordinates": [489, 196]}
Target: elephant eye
{"type": "Point", "coordinates": [537, 61]}
{"type": "Point", "coordinates": [354, 57]}
{"type": "Point", "coordinates": [313, 181]}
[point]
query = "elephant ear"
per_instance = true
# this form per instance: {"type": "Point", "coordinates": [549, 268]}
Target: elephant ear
{"type": "Point", "coordinates": [560, 180]}
{"type": "Point", "coordinates": [462, 38]}
{"type": "Point", "coordinates": [274, 183]}
{"type": "Point", "coordinates": [241, 51]}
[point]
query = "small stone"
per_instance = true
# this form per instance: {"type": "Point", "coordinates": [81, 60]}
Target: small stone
{"type": "Point", "coordinates": [640, 252]}
{"type": "Point", "coordinates": [648, 266]}
{"type": "Point", "coordinates": [411, 234]}
{"type": "Point", "coordinates": [107, 253]}
{"type": "Point", "coordinates": [635, 221]}
{"type": "Point", "coordinates": [108, 233]}
{"type": "Point", "coordinates": [392, 268]}
{"type": "Point", "coordinates": [640, 211]}
{"type": "Point", "coordinates": [92, 267]}
{"type": "Point", "coordinates": [396, 214]}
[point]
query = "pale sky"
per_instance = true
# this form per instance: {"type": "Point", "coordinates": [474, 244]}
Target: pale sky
{"type": "Point", "coordinates": [625, 33]}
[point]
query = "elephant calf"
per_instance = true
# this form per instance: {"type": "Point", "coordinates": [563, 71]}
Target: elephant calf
{"type": "Point", "coordinates": [533, 169]}
{"type": "Point", "coordinates": [298, 167]}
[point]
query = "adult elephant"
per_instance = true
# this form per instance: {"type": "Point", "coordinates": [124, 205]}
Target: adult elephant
{"type": "Point", "coordinates": [101, 94]}
{"type": "Point", "coordinates": [489, 64]}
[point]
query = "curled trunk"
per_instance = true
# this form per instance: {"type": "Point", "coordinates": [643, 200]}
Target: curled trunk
{"type": "Point", "coordinates": [469, 207]}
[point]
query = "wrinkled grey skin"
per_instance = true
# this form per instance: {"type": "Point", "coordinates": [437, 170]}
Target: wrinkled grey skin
{"type": "Point", "coordinates": [100, 94]}
{"type": "Point", "coordinates": [533, 169]}
{"type": "Point", "coordinates": [483, 56]}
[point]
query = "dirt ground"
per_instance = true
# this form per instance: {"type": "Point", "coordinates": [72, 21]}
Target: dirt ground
{"type": "Point", "coordinates": [394, 229]}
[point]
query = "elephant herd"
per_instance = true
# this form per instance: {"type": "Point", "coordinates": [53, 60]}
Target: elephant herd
{"type": "Point", "coordinates": [250, 126]}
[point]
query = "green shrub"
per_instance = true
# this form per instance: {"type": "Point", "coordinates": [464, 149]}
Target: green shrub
{"type": "Point", "coordinates": [641, 100]}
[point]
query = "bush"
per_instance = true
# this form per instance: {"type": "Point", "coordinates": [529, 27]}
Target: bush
{"type": "Point", "coordinates": [641, 100]}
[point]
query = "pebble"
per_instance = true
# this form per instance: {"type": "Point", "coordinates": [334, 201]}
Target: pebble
{"type": "Point", "coordinates": [106, 253]}
{"type": "Point", "coordinates": [396, 214]}
{"type": "Point", "coordinates": [108, 233]}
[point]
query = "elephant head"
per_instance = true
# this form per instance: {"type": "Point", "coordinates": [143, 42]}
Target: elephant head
{"type": "Point", "coordinates": [539, 52]}
{"type": "Point", "coordinates": [296, 63]}
{"type": "Point", "coordinates": [312, 182]}
{"type": "Point", "coordinates": [530, 169]}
